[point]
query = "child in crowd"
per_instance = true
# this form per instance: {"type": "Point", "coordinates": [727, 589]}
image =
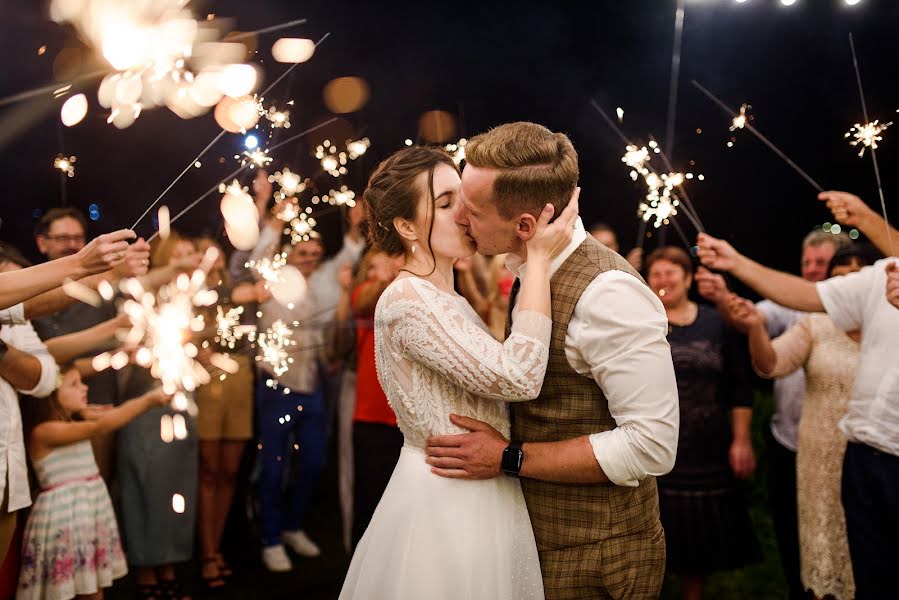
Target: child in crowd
{"type": "Point", "coordinates": [71, 544]}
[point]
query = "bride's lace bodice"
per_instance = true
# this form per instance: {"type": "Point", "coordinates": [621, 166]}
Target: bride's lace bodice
{"type": "Point", "coordinates": [435, 356]}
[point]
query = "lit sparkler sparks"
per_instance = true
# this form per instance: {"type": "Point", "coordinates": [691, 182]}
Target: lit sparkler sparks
{"type": "Point", "coordinates": [255, 158]}
{"type": "Point", "coordinates": [65, 164]}
{"type": "Point", "coordinates": [228, 328]}
{"type": "Point", "coordinates": [301, 229]}
{"type": "Point", "coordinates": [162, 325]}
{"type": "Point", "coordinates": [151, 46]}
{"type": "Point", "coordinates": [457, 150]}
{"type": "Point", "coordinates": [343, 196]}
{"type": "Point", "coordinates": [273, 344]}
{"type": "Point", "coordinates": [291, 183]}
{"type": "Point", "coordinates": [267, 268]}
{"type": "Point", "coordinates": [278, 118]}
{"type": "Point", "coordinates": [739, 121]}
{"type": "Point", "coordinates": [356, 148]}
{"type": "Point", "coordinates": [867, 135]}
{"type": "Point", "coordinates": [333, 161]}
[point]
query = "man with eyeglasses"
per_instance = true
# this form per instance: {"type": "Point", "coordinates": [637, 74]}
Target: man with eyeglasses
{"type": "Point", "coordinates": [61, 232]}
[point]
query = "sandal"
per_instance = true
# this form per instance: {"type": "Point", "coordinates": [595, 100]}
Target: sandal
{"type": "Point", "coordinates": [170, 588]}
{"type": "Point", "coordinates": [224, 568]}
{"type": "Point", "coordinates": [148, 591]}
{"type": "Point", "coordinates": [215, 582]}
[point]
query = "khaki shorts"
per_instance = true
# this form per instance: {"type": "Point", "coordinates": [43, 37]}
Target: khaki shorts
{"type": "Point", "coordinates": [226, 407]}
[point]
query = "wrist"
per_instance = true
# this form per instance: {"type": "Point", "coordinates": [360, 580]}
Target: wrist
{"type": "Point", "coordinates": [74, 267]}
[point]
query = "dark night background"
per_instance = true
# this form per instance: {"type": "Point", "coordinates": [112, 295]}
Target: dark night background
{"type": "Point", "coordinates": [490, 63]}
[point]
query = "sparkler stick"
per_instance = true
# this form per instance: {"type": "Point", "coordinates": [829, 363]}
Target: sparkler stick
{"type": "Point", "coordinates": [301, 134]}
{"type": "Point", "coordinates": [687, 205]}
{"type": "Point", "coordinates": [201, 198]}
{"type": "Point", "coordinates": [52, 88]}
{"type": "Point", "coordinates": [675, 74]}
{"type": "Point", "coordinates": [270, 29]}
{"type": "Point", "coordinates": [873, 147]}
{"type": "Point", "coordinates": [759, 135]}
{"type": "Point", "coordinates": [217, 138]}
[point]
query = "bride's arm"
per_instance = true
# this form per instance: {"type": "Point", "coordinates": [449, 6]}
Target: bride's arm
{"type": "Point", "coordinates": [424, 326]}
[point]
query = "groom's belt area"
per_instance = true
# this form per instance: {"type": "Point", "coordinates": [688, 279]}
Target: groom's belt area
{"type": "Point", "coordinates": [565, 515]}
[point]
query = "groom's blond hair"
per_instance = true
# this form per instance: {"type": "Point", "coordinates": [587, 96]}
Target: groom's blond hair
{"type": "Point", "coordinates": [536, 167]}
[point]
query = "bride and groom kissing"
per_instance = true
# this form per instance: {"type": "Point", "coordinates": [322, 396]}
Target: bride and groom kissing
{"type": "Point", "coordinates": [528, 467]}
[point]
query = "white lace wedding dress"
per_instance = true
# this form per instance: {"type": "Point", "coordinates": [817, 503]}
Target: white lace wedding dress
{"type": "Point", "coordinates": [431, 537]}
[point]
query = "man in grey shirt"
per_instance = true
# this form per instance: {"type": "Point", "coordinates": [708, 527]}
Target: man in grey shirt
{"type": "Point", "coordinates": [61, 232]}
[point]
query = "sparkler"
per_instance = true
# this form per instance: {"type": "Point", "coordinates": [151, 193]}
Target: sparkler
{"type": "Point", "coordinates": [65, 164]}
{"type": "Point", "coordinates": [291, 183]}
{"type": "Point", "coordinates": [457, 150]}
{"type": "Point", "coordinates": [162, 325]}
{"type": "Point", "coordinates": [273, 344]}
{"type": "Point", "coordinates": [739, 121]}
{"type": "Point", "coordinates": [873, 137]}
{"type": "Point", "coordinates": [268, 268]}
{"type": "Point", "coordinates": [228, 328]}
{"type": "Point", "coordinates": [758, 134]}
{"type": "Point", "coordinates": [254, 158]}
{"type": "Point", "coordinates": [357, 148]}
{"type": "Point", "coordinates": [278, 118]}
{"type": "Point", "coordinates": [332, 160]}
{"type": "Point", "coordinates": [341, 197]}
{"type": "Point", "coordinates": [867, 135]}
{"type": "Point", "coordinates": [301, 228]}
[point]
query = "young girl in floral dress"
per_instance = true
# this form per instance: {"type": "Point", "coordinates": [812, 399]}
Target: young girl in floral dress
{"type": "Point", "coordinates": [71, 544]}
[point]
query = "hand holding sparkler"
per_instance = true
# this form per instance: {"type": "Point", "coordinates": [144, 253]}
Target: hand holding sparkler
{"type": "Point", "coordinates": [848, 209]}
{"type": "Point", "coordinates": [711, 286]}
{"type": "Point", "coordinates": [104, 252]}
{"type": "Point", "coordinates": [716, 254]}
{"type": "Point", "coordinates": [893, 284]}
{"type": "Point", "coordinates": [136, 261]}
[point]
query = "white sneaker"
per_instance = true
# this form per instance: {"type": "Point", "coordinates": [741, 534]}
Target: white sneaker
{"type": "Point", "coordinates": [301, 544]}
{"type": "Point", "coordinates": [275, 559]}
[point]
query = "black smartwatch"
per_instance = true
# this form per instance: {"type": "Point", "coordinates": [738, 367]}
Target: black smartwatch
{"type": "Point", "coordinates": [513, 457]}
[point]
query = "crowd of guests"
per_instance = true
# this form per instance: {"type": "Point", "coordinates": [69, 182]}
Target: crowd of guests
{"type": "Point", "coordinates": [111, 492]}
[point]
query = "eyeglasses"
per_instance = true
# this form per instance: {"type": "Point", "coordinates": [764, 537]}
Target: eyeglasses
{"type": "Point", "coordinates": [63, 239]}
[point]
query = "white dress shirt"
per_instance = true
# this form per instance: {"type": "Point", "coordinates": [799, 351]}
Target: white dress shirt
{"type": "Point", "coordinates": [858, 301]}
{"type": "Point", "coordinates": [13, 315]}
{"type": "Point", "coordinates": [13, 468]}
{"type": "Point", "coordinates": [618, 336]}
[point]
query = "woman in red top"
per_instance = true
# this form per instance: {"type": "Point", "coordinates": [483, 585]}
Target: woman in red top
{"type": "Point", "coordinates": [376, 438]}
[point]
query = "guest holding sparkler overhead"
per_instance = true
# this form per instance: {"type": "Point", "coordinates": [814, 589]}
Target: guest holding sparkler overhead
{"type": "Point", "coordinates": [829, 358]}
{"type": "Point", "coordinates": [156, 476]}
{"type": "Point", "coordinates": [290, 402]}
{"type": "Point", "coordinates": [870, 483]}
{"type": "Point", "coordinates": [702, 507]}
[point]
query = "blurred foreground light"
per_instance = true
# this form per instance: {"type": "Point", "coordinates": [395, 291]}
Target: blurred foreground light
{"type": "Point", "coordinates": [74, 110]}
{"type": "Point", "coordinates": [293, 50]}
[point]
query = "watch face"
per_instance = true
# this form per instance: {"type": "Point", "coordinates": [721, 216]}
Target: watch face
{"type": "Point", "coordinates": [512, 459]}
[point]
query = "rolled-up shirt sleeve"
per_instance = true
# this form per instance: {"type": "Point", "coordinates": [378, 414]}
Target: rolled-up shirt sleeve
{"type": "Point", "coordinates": [845, 298]}
{"type": "Point", "coordinates": [617, 335]}
{"type": "Point", "coordinates": [25, 338]}
{"type": "Point", "coordinates": [13, 315]}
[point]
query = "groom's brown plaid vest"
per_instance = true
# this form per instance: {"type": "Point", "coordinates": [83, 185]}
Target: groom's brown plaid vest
{"type": "Point", "coordinates": [572, 405]}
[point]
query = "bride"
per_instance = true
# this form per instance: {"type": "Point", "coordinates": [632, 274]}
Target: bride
{"type": "Point", "coordinates": [433, 537]}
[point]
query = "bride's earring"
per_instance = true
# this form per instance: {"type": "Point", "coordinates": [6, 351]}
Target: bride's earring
{"type": "Point", "coordinates": [413, 247]}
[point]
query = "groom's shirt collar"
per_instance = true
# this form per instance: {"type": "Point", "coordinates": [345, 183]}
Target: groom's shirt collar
{"type": "Point", "coordinates": [518, 267]}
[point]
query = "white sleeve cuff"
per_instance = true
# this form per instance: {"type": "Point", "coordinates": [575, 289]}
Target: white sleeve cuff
{"type": "Point", "coordinates": [47, 382]}
{"type": "Point", "coordinates": [612, 458]}
{"type": "Point", "coordinates": [14, 315]}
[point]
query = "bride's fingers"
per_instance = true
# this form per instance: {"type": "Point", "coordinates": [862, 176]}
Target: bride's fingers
{"type": "Point", "coordinates": [545, 215]}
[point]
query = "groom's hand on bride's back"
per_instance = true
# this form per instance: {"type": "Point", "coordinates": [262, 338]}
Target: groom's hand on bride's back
{"type": "Point", "coordinates": [474, 455]}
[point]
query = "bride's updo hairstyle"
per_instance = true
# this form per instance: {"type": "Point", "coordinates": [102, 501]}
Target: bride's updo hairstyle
{"type": "Point", "coordinates": [394, 192]}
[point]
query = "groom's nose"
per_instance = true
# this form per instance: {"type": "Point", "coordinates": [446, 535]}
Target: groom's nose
{"type": "Point", "coordinates": [462, 215]}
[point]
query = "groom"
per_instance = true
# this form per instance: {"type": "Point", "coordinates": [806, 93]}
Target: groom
{"type": "Point", "coordinates": [606, 422]}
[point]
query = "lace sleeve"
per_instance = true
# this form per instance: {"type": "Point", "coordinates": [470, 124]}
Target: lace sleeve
{"type": "Point", "coordinates": [792, 348]}
{"type": "Point", "coordinates": [425, 325]}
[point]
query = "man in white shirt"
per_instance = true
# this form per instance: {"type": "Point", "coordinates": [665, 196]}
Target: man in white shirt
{"type": "Point", "coordinates": [26, 367]}
{"type": "Point", "coordinates": [607, 417]}
{"type": "Point", "coordinates": [871, 466]}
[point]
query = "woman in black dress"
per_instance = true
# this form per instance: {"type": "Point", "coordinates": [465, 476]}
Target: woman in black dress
{"type": "Point", "coordinates": [702, 504]}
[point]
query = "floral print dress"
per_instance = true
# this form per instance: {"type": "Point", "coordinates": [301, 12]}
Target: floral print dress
{"type": "Point", "coordinates": [71, 544]}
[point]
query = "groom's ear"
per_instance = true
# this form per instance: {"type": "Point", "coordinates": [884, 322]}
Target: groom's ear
{"type": "Point", "coordinates": [527, 226]}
